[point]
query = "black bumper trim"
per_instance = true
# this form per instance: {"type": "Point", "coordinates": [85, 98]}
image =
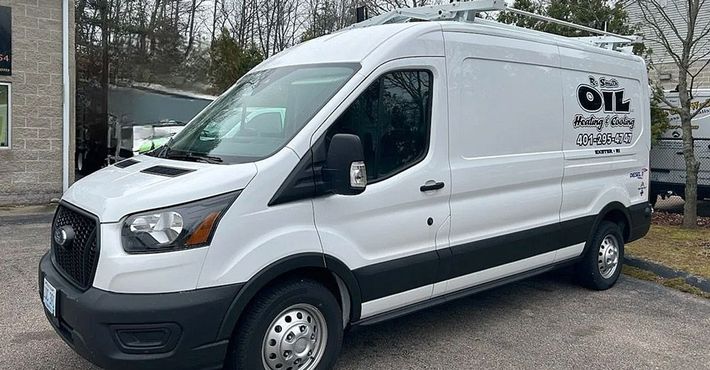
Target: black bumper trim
{"type": "Point", "coordinates": [87, 322]}
{"type": "Point", "coordinates": [640, 222]}
{"type": "Point", "coordinates": [418, 270]}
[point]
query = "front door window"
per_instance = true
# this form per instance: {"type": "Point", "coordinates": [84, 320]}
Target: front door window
{"type": "Point", "coordinates": [392, 117]}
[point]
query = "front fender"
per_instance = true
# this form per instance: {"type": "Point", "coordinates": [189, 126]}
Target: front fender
{"type": "Point", "coordinates": [281, 268]}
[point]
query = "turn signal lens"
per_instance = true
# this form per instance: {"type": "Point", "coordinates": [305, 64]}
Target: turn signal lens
{"type": "Point", "coordinates": [358, 175]}
{"type": "Point", "coordinates": [201, 235]}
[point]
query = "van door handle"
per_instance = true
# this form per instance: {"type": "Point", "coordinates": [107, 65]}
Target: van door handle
{"type": "Point", "coordinates": [431, 185]}
{"type": "Point", "coordinates": [679, 153]}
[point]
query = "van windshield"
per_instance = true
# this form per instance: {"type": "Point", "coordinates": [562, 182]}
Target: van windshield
{"type": "Point", "coordinates": [259, 116]}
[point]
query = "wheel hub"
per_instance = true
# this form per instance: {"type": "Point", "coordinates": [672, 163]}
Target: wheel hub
{"type": "Point", "coordinates": [608, 260]}
{"type": "Point", "coordinates": [295, 339]}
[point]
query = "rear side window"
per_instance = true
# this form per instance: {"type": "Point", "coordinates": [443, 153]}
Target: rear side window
{"type": "Point", "coordinates": [392, 117]}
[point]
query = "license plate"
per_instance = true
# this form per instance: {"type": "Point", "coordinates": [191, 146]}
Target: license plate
{"type": "Point", "coordinates": [49, 297]}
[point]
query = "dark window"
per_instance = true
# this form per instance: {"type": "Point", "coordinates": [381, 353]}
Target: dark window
{"type": "Point", "coordinates": [392, 118]}
{"type": "Point", "coordinates": [4, 115]}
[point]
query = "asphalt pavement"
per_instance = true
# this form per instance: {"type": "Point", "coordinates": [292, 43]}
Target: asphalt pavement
{"type": "Point", "coordinates": [546, 322]}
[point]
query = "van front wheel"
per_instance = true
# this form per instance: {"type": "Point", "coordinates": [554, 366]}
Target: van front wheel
{"type": "Point", "coordinates": [295, 325]}
{"type": "Point", "coordinates": [601, 265]}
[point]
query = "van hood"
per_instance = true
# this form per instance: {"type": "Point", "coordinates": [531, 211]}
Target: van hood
{"type": "Point", "coordinates": [113, 193]}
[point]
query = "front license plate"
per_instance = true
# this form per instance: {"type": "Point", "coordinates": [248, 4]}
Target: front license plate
{"type": "Point", "coordinates": [49, 297]}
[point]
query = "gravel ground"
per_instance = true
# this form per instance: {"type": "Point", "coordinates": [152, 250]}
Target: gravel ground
{"type": "Point", "coordinates": [543, 323]}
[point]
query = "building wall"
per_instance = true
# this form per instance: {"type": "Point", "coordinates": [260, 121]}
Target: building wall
{"type": "Point", "coordinates": [667, 75]}
{"type": "Point", "coordinates": [665, 71]}
{"type": "Point", "coordinates": [31, 170]}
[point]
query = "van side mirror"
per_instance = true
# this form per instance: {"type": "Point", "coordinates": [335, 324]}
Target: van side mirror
{"type": "Point", "coordinates": [345, 165]}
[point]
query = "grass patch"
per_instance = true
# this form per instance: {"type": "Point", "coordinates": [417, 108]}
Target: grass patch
{"type": "Point", "coordinates": [681, 249]}
{"type": "Point", "coordinates": [640, 274]}
{"type": "Point", "coordinates": [677, 283]}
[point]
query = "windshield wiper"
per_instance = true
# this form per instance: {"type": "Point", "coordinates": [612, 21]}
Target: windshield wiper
{"type": "Point", "coordinates": [193, 157]}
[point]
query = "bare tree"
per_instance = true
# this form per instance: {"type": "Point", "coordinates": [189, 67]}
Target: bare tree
{"type": "Point", "coordinates": [191, 30]}
{"type": "Point", "coordinates": [674, 26]}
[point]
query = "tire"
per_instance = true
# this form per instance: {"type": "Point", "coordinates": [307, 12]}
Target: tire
{"type": "Point", "coordinates": [285, 318]}
{"type": "Point", "coordinates": [606, 246]}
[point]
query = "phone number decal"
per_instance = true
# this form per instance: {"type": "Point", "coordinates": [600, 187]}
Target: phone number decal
{"type": "Point", "coordinates": [604, 138]}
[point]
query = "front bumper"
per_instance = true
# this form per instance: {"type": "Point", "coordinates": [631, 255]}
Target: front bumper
{"type": "Point", "coordinates": [141, 331]}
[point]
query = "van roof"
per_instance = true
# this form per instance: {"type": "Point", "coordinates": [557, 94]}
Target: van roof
{"type": "Point", "coordinates": [489, 27]}
{"type": "Point", "coordinates": [344, 46]}
{"type": "Point", "coordinates": [354, 45]}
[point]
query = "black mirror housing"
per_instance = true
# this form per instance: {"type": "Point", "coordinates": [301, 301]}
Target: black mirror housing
{"type": "Point", "coordinates": [345, 165]}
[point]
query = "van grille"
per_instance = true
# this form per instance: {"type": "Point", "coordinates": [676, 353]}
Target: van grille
{"type": "Point", "coordinates": [77, 259]}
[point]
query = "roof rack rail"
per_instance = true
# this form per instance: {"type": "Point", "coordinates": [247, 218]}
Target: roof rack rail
{"type": "Point", "coordinates": [465, 11]}
{"type": "Point", "coordinates": [454, 11]}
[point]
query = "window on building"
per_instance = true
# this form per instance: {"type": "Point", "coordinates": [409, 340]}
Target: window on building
{"type": "Point", "coordinates": [392, 118]}
{"type": "Point", "coordinates": [4, 115]}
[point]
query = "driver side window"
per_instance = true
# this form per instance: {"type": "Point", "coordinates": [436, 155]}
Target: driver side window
{"type": "Point", "coordinates": [392, 117]}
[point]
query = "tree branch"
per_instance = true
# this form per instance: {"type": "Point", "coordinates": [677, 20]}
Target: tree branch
{"type": "Point", "coordinates": [660, 95]}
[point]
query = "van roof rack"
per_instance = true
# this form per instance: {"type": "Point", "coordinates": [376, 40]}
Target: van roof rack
{"type": "Point", "coordinates": [465, 11]}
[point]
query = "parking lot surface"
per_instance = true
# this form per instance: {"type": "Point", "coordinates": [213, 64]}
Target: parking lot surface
{"type": "Point", "coordinates": [546, 322]}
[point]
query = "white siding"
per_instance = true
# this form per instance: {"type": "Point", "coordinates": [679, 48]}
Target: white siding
{"type": "Point", "coordinates": [662, 60]}
{"type": "Point", "coordinates": [676, 11]}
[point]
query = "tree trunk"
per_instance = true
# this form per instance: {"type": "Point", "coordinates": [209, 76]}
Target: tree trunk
{"type": "Point", "coordinates": [690, 209]}
{"type": "Point", "coordinates": [214, 22]}
{"type": "Point", "coordinates": [191, 32]}
{"type": "Point", "coordinates": [104, 54]}
{"type": "Point", "coordinates": [105, 33]}
{"type": "Point", "coordinates": [152, 25]}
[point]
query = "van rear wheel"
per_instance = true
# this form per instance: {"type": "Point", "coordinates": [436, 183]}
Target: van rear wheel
{"type": "Point", "coordinates": [601, 265]}
{"type": "Point", "coordinates": [295, 325]}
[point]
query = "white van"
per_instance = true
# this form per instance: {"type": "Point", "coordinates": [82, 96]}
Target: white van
{"type": "Point", "coordinates": [668, 171]}
{"type": "Point", "coordinates": [416, 163]}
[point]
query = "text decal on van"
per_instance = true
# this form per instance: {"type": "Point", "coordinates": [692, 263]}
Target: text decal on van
{"type": "Point", "coordinates": [604, 95]}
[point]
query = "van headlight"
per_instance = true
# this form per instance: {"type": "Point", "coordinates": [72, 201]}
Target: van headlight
{"type": "Point", "coordinates": [174, 228]}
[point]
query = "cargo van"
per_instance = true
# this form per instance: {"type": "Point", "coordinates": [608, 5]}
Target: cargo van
{"type": "Point", "coordinates": [668, 172]}
{"type": "Point", "coordinates": [414, 163]}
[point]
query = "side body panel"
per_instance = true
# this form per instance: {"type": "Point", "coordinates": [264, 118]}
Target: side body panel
{"type": "Point", "coordinates": [506, 155]}
{"type": "Point", "coordinates": [606, 132]}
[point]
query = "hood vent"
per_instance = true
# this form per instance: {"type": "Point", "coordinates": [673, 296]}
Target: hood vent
{"type": "Point", "coordinates": [126, 163]}
{"type": "Point", "coordinates": [167, 171]}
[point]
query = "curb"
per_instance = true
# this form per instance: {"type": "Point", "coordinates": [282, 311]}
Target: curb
{"type": "Point", "coordinates": [40, 218]}
{"type": "Point", "coordinates": [668, 273]}
{"type": "Point", "coordinates": [27, 214]}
